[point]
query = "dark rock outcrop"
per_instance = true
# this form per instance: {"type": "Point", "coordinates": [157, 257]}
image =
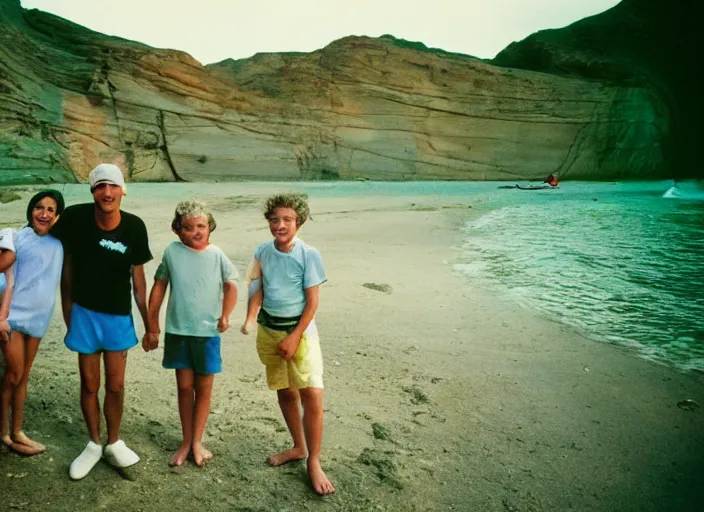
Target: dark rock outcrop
{"type": "Point", "coordinates": [361, 107]}
{"type": "Point", "coordinates": [655, 44]}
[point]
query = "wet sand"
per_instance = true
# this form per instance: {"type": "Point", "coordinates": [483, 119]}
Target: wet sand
{"type": "Point", "coordinates": [440, 395]}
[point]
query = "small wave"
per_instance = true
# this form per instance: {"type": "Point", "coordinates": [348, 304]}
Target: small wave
{"type": "Point", "coordinates": [490, 218]}
{"type": "Point", "coordinates": [672, 192]}
{"type": "Point", "coordinates": [689, 190]}
{"type": "Point", "coordinates": [625, 270]}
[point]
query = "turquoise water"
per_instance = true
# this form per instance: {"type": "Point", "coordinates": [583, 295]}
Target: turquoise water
{"type": "Point", "coordinates": [622, 263]}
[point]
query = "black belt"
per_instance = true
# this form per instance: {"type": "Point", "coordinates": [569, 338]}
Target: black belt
{"type": "Point", "coordinates": [277, 323]}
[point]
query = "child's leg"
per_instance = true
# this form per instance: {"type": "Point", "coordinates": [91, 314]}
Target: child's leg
{"type": "Point", "coordinates": [184, 384]}
{"type": "Point", "coordinates": [312, 399]}
{"type": "Point", "coordinates": [13, 352]}
{"type": "Point", "coordinates": [289, 402]}
{"type": "Point", "coordinates": [30, 351]}
{"type": "Point", "coordinates": [204, 390]}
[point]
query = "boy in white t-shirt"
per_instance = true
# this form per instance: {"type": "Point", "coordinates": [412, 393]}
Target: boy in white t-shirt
{"type": "Point", "coordinates": [286, 275]}
{"type": "Point", "coordinates": [203, 295]}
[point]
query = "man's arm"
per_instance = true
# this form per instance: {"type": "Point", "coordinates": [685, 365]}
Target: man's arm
{"type": "Point", "coordinates": [229, 300]}
{"type": "Point", "coordinates": [66, 301]}
{"type": "Point", "coordinates": [156, 299]}
{"type": "Point", "coordinates": [289, 344]}
{"type": "Point", "coordinates": [139, 290]}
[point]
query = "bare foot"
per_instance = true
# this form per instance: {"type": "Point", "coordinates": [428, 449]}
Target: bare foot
{"type": "Point", "coordinates": [22, 438]}
{"type": "Point", "coordinates": [180, 455]}
{"type": "Point", "coordinates": [321, 484]}
{"type": "Point", "coordinates": [201, 455]}
{"type": "Point", "coordinates": [287, 456]}
{"type": "Point", "coordinates": [20, 448]}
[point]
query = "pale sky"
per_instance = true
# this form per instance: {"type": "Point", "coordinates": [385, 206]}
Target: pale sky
{"type": "Point", "coordinates": [213, 30]}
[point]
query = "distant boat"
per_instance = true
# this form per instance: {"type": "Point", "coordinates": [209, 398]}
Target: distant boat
{"type": "Point", "coordinates": [550, 183]}
{"type": "Point", "coordinates": [531, 187]}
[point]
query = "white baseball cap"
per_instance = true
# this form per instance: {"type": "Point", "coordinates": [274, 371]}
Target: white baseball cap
{"type": "Point", "coordinates": [6, 239]}
{"type": "Point", "coordinates": [107, 173]}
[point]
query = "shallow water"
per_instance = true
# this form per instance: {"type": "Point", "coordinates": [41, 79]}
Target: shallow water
{"type": "Point", "coordinates": [620, 262]}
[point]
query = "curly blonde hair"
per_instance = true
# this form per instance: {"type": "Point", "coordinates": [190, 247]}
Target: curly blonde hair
{"type": "Point", "coordinates": [190, 209]}
{"type": "Point", "coordinates": [294, 200]}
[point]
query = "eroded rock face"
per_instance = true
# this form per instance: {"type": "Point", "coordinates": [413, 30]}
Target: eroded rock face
{"type": "Point", "coordinates": [361, 108]}
{"type": "Point", "coordinates": [654, 44]}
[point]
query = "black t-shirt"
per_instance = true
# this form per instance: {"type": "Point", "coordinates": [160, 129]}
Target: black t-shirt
{"type": "Point", "coordinates": [102, 260]}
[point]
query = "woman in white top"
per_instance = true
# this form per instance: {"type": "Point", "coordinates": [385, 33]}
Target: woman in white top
{"type": "Point", "coordinates": [37, 272]}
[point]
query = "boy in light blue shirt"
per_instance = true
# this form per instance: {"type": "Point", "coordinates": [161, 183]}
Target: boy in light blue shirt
{"type": "Point", "coordinates": [203, 295]}
{"type": "Point", "coordinates": [286, 275]}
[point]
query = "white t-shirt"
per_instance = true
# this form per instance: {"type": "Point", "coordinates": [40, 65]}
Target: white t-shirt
{"type": "Point", "coordinates": [37, 271]}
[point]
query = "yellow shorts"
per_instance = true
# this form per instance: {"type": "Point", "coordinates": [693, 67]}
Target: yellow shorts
{"type": "Point", "coordinates": [304, 370]}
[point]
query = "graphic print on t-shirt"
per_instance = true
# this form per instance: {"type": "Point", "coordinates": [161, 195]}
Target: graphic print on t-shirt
{"type": "Point", "coordinates": [113, 246]}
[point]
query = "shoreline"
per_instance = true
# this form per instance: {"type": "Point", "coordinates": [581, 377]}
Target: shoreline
{"type": "Point", "coordinates": [439, 395]}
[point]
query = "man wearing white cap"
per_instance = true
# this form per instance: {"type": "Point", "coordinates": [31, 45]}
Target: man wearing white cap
{"type": "Point", "coordinates": [105, 252]}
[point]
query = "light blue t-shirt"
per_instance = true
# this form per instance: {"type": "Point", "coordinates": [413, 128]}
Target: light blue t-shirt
{"type": "Point", "coordinates": [37, 271]}
{"type": "Point", "coordinates": [285, 276]}
{"type": "Point", "coordinates": [196, 291]}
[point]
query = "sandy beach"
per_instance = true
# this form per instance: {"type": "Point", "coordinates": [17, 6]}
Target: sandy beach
{"type": "Point", "coordinates": [440, 395]}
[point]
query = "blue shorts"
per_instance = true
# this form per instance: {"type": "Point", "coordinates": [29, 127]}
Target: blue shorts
{"type": "Point", "coordinates": [198, 353]}
{"type": "Point", "coordinates": [92, 332]}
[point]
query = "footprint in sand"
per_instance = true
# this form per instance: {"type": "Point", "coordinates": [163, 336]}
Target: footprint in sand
{"type": "Point", "coordinates": [379, 287]}
{"type": "Point", "coordinates": [270, 422]}
{"type": "Point", "coordinates": [418, 396]}
{"type": "Point", "coordinates": [382, 433]}
{"type": "Point", "coordinates": [385, 468]}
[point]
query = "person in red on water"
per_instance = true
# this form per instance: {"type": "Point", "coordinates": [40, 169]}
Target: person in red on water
{"type": "Point", "coordinates": [551, 180]}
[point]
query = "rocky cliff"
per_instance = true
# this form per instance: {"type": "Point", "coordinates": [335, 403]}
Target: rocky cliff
{"type": "Point", "coordinates": [653, 44]}
{"type": "Point", "coordinates": [360, 108]}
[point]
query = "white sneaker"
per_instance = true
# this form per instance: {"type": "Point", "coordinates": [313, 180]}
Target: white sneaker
{"type": "Point", "coordinates": [82, 464]}
{"type": "Point", "coordinates": [119, 455]}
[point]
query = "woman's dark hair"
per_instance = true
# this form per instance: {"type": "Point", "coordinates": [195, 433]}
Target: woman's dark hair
{"type": "Point", "coordinates": [54, 194]}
